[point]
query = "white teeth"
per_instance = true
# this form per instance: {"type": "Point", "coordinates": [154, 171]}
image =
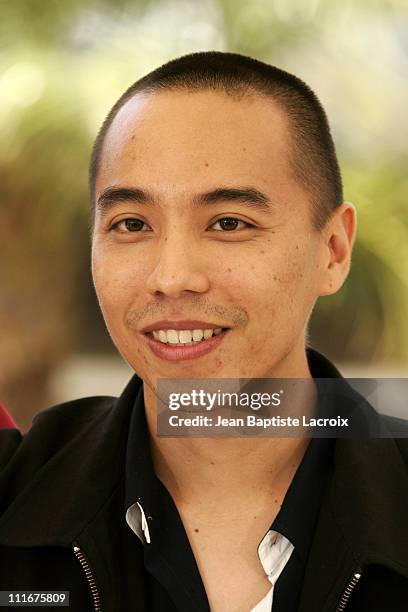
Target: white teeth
{"type": "Point", "coordinates": [185, 336]}
{"type": "Point", "coordinates": [198, 335]}
{"type": "Point", "coordinates": [162, 336]}
{"type": "Point", "coordinates": [172, 336]}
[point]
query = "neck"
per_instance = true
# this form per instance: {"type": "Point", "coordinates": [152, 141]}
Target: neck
{"type": "Point", "coordinates": [200, 469]}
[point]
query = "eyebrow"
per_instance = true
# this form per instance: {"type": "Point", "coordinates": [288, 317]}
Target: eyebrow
{"type": "Point", "coordinates": [112, 196]}
{"type": "Point", "coordinates": [250, 196]}
{"type": "Point", "coordinates": [244, 195]}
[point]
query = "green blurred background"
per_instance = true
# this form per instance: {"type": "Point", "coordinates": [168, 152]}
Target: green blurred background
{"type": "Point", "coordinates": [62, 66]}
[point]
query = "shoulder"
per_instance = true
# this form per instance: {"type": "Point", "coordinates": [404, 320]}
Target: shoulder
{"type": "Point", "coordinates": [98, 423]}
{"type": "Point", "coordinates": [79, 411]}
{"type": "Point", "coordinates": [54, 427]}
{"type": "Point", "coordinates": [397, 429]}
{"type": "Point", "coordinates": [396, 426]}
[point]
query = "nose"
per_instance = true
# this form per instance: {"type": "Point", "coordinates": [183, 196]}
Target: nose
{"type": "Point", "coordinates": [178, 268]}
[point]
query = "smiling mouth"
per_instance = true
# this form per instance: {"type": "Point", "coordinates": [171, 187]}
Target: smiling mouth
{"type": "Point", "coordinates": [184, 337]}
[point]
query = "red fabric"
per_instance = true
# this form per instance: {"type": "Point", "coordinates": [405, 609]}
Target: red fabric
{"type": "Point", "coordinates": [5, 419]}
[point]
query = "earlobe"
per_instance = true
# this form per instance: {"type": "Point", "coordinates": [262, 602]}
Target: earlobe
{"type": "Point", "coordinates": [339, 239]}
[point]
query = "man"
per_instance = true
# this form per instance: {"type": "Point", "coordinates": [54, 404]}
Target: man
{"type": "Point", "coordinates": [218, 220]}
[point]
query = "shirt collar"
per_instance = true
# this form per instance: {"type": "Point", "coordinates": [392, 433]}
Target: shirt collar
{"type": "Point", "coordinates": [141, 480]}
{"type": "Point", "coordinates": [152, 514]}
{"type": "Point", "coordinates": [298, 515]}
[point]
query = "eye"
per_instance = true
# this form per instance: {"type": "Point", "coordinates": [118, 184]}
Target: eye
{"type": "Point", "coordinates": [229, 224]}
{"type": "Point", "coordinates": [131, 225]}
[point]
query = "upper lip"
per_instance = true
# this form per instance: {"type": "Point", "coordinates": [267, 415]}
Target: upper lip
{"type": "Point", "coordinates": [179, 325]}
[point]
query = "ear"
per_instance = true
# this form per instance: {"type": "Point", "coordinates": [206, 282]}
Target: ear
{"type": "Point", "coordinates": [338, 236]}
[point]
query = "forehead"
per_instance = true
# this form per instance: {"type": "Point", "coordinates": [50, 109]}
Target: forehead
{"type": "Point", "coordinates": [183, 138]}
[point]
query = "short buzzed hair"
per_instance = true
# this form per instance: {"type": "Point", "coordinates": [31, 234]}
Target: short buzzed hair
{"type": "Point", "coordinates": [313, 156]}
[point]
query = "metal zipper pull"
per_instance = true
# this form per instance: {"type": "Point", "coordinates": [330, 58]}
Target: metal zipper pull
{"type": "Point", "coordinates": [348, 590]}
{"type": "Point", "coordinates": [90, 578]}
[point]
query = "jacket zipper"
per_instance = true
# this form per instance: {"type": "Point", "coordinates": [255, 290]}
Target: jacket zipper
{"type": "Point", "coordinates": [90, 578]}
{"type": "Point", "coordinates": [349, 590]}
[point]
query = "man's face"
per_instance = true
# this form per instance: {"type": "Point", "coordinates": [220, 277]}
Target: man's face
{"type": "Point", "coordinates": [214, 232]}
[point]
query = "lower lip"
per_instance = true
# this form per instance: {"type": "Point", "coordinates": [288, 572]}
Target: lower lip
{"type": "Point", "coordinates": [180, 353]}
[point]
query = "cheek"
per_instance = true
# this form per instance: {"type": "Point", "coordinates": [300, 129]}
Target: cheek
{"type": "Point", "coordinates": [294, 288]}
{"type": "Point", "coordinates": [269, 281]}
{"type": "Point", "coordinates": [117, 280]}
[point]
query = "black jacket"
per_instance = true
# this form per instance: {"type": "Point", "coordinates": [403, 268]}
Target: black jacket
{"type": "Point", "coordinates": [62, 525]}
